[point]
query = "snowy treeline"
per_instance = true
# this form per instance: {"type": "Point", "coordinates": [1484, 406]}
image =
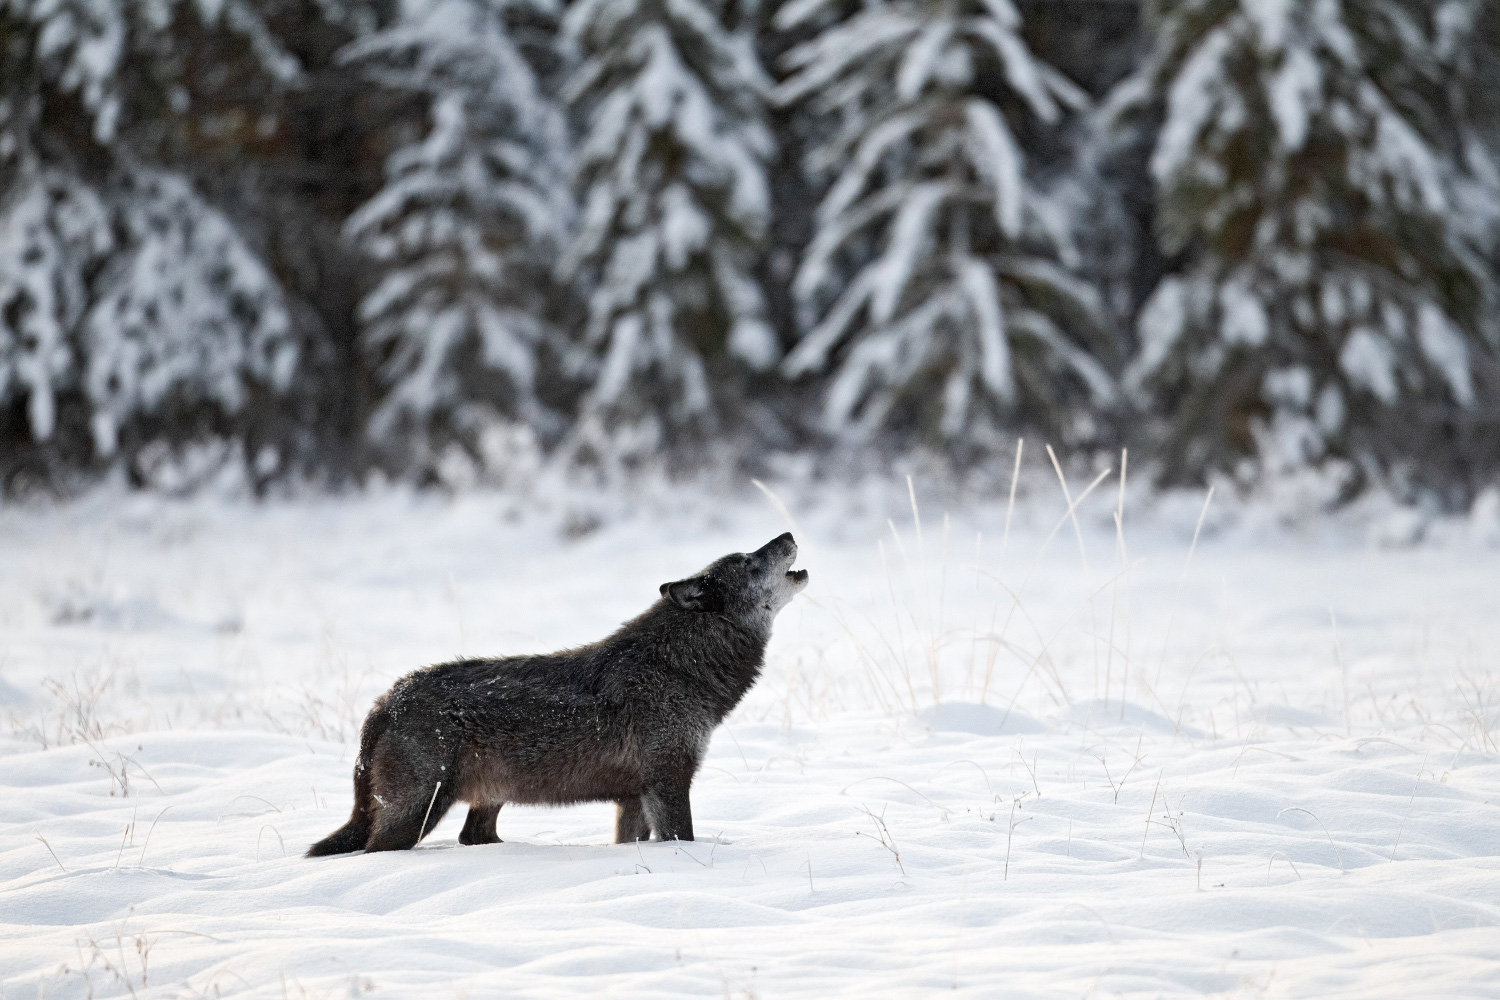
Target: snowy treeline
{"type": "Point", "coordinates": [1242, 236]}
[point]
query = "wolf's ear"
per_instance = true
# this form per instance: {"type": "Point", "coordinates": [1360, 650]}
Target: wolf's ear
{"type": "Point", "coordinates": [690, 594]}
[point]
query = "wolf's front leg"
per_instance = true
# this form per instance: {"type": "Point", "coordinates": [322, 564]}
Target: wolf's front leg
{"type": "Point", "coordinates": [630, 821]}
{"type": "Point", "coordinates": [670, 812]}
{"type": "Point", "coordinates": [479, 827]}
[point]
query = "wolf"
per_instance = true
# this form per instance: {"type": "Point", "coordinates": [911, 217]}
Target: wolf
{"type": "Point", "coordinates": [626, 719]}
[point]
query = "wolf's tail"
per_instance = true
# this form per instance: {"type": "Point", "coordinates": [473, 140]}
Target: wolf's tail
{"type": "Point", "coordinates": [353, 834]}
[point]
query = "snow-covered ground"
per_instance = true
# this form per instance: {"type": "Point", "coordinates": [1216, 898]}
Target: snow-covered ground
{"type": "Point", "coordinates": [1059, 762]}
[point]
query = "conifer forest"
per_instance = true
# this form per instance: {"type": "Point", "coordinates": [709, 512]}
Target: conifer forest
{"type": "Point", "coordinates": [321, 238]}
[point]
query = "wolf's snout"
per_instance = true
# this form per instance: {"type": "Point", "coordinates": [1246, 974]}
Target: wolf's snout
{"type": "Point", "coordinates": [782, 548]}
{"type": "Point", "coordinates": [781, 551]}
{"type": "Point", "coordinates": [784, 539]}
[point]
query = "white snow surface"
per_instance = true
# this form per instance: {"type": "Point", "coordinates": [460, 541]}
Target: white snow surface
{"type": "Point", "coordinates": [1045, 763]}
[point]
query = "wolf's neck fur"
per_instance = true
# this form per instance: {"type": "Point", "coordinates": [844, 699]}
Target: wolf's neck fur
{"type": "Point", "coordinates": [722, 660]}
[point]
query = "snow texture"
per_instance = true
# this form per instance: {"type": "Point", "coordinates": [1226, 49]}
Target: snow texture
{"type": "Point", "coordinates": [982, 758]}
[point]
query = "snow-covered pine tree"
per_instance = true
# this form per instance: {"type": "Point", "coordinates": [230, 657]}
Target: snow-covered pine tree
{"type": "Point", "coordinates": [1483, 80]}
{"type": "Point", "coordinates": [1107, 184]}
{"type": "Point", "coordinates": [185, 314]}
{"type": "Point", "coordinates": [54, 228]}
{"type": "Point", "coordinates": [673, 215]}
{"type": "Point", "coordinates": [54, 231]}
{"type": "Point", "coordinates": [1330, 301]}
{"type": "Point", "coordinates": [122, 293]}
{"type": "Point", "coordinates": [1467, 44]}
{"type": "Point", "coordinates": [939, 286]}
{"type": "Point", "coordinates": [466, 230]}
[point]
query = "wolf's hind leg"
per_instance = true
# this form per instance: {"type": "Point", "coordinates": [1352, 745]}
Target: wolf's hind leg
{"type": "Point", "coordinates": [399, 826]}
{"type": "Point", "coordinates": [479, 827]}
{"type": "Point", "coordinates": [630, 821]}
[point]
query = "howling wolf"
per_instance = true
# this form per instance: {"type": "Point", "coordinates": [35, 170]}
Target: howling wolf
{"type": "Point", "coordinates": [625, 719]}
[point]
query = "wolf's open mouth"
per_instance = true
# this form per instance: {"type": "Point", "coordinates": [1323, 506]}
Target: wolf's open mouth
{"type": "Point", "coordinates": [798, 577]}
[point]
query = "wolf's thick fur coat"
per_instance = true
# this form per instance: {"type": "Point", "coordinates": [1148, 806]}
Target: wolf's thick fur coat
{"type": "Point", "coordinates": [624, 719]}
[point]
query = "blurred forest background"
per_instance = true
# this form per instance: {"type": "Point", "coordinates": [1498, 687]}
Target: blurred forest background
{"type": "Point", "coordinates": [438, 238]}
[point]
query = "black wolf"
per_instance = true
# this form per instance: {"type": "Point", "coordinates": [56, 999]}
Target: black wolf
{"type": "Point", "coordinates": [626, 719]}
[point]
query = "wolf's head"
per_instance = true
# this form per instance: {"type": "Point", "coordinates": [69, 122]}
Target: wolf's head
{"type": "Point", "coordinates": [750, 586]}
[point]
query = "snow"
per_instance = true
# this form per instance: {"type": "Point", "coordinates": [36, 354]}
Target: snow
{"type": "Point", "coordinates": [1367, 360]}
{"type": "Point", "coordinates": [1255, 760]}
{"type": "Point", "coordinates": [919, 64]}
{"type": "Point", "coordinates": [1196, 95]}
{"type": "Point", "coordinates": [1289, 386]}
{"type": "Point", "coordinates": [1444, 346]}
{"type": "Point", "coordinates": [998, 161]}
{"type": "Point", "coordinates": [684, 228]}
{"type": "Point", "coordinates": [1330, 410]}
{"type": "Point", "coordinates": [1022, 69]}
{"type": "Point", "coordinates": [994, 350]}
{"type": "Point", "coordinates": [871, 149]}
{"type": "Point", "coordinates": [1294, 93]}
{"type": "Point", "coordinates": [910, 239]}
{"type": "Point", "coordinates": [1399, 158]}
{"type": "Point", "coordinates": [1161, 324]}
{"type": "Point", "coordinates": [1244, 317]}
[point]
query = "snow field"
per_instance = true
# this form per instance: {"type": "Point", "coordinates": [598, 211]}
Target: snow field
{"type": "Point", "coordinates": [1265, 770]}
